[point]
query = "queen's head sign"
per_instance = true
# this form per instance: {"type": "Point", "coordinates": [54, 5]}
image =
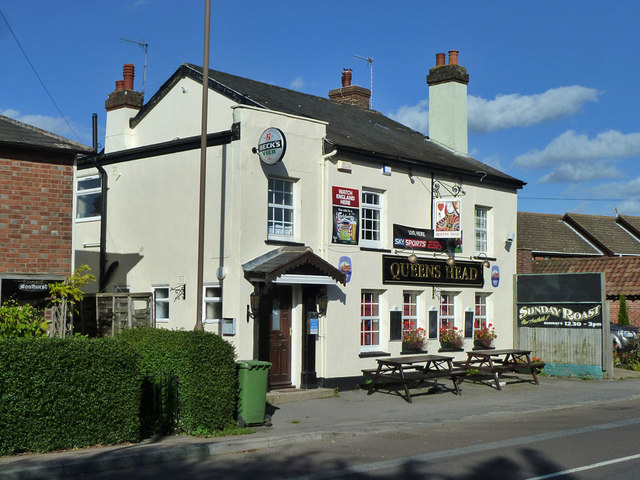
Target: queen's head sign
{"type": "Point", "coordinates": [446, 214]}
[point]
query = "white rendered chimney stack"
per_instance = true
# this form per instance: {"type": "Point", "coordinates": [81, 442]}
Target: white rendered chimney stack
{"type": "Point", "coordinates": [448, 102]}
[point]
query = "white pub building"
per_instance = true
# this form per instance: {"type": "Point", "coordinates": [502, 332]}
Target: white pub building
{"type": "Point", "coordinates": [329, 228]}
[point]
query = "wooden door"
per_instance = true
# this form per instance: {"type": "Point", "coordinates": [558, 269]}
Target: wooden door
{"type": "Point", "coordinates": [280, 337]}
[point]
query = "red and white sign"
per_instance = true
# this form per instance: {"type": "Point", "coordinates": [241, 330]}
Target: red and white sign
{"type": "Point", "coordinates": [345, 197]}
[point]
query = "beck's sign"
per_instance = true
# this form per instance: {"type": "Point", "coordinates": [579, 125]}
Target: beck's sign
{"type": "Point", "coordinates": [272, 146]}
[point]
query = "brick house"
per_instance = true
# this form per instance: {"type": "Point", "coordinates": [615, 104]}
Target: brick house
{"type": "Point", "coordinates": [574, 243]}
{"type": "Point", "coordinates": [36, 209]}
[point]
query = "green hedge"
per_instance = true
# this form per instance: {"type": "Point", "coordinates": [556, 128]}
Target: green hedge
{"type": "Point", "coordinates": [190, 380]}
{"type": "Point", "coordinates": [66, 393]}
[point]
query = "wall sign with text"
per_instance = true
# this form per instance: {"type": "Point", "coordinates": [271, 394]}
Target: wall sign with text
{"type": "Point", "coordinates": [567, 315]}
{"type": "Point", "coordinates": [346, 215]}
{"type": "Point", "coordinates": [398, 270]}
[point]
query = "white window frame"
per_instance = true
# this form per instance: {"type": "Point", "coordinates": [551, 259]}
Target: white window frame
{"type": "Point", "coordinates": [449, 299]}
{"type": "Point", "coordinates": [371, 212]}
{"type": "Point", "coordinates": [272, 224]}
{"type": "Point", "coordinates": [374, 318]}
{"type": "Point", "coordinates": [480, 318]}
{"type": "Point", "coordinates": [211, 300]}
{"type": "Point", "coordinates": [481, 229]}
{"type": "Point", "coordinates": [87, 192]}
{"type": "Point", "coordinates": [163, 300]}
{"type": "Point", "coordinates": [412, 305]}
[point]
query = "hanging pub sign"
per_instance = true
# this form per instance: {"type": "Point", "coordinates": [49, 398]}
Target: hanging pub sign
{"type": "Point", "coordinates": [446, 214]}
{"type": "Point", "coordinates": [398, 270]}
{"type": "Point", "coordinates": [344, 265]}
{"type": "Point", "coordinates": [271, 146]}
{"type": "Point", "coordinates": [346, 215]}
{"type": "Point", "coordinates": [567, 315]}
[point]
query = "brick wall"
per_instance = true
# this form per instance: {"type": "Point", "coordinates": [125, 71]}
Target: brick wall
{"type": "Point", "coordinates": [36, 206]}
{"type": "Point", "coordinates": [524, 260]}
{"type": "Point", "coordinates": [633, 308]}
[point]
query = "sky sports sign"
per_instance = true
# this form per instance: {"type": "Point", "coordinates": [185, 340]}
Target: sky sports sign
{"type": "Point", "coordinates": [416, 238]}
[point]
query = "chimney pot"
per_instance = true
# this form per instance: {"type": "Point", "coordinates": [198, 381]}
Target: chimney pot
{"type": "Point", "coordinates": [119, 85]}
{"type": "Point", "coordinates": [128, 74]}
{"type": "Point", "coordinates": [453, 57]}
{"type": "Point", "coordinates": [346, 77]}
{"type": "Point", "coordinates": [439, 59]}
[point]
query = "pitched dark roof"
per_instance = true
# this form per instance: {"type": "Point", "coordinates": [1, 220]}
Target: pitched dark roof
{"type": "Point", "coordinates": [353, 130]}
{"type": "Point", "coordinates": [630, 223]}
{"type": "Point", "coordinates": [622, 274]}
{"type": "Point", "coordinates": [548, 233]}
{"type": "Point", "coordinates": [605, 233]}
{"type": "Point", "coordinates": [290, 260]}
{"type": "Point", "coordinates": [18, 135]}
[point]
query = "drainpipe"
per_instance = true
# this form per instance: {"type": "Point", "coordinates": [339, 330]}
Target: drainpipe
{"type": "Point", "coordinates": [103, 214]}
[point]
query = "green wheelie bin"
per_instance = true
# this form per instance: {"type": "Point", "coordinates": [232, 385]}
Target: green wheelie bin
{"type": "Point", "coordinates": [253, 377]}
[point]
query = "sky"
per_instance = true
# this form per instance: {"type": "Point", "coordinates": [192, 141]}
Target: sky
{"type": "Point", "coordinates": [552, 99]}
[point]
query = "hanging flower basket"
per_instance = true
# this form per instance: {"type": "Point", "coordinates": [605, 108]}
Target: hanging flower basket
{"type": "Point", "coordinates": [451, 338]}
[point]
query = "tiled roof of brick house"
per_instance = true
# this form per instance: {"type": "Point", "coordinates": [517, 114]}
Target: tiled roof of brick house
{"type": "Point", "coordinates": [605, 232]}
{"type": "Point", "coordinates": [17, 135]}
{"type": "Point", "coordinates": [622, 274]}
{"type": "Point", "coordinates": [548, 233]}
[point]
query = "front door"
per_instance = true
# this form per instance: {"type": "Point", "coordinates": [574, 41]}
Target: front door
{"type": "Point", "coordinates": [280, 337]}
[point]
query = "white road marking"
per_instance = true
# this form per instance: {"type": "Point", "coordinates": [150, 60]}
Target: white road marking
{"type": "Point", "coordinates": [586, 467]}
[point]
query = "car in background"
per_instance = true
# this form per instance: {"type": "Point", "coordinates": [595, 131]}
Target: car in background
{"type": "Point", "coordinates": [625, 337]}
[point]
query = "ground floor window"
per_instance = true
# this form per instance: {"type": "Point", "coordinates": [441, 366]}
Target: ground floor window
{"type": "Point", "coordinates": [447, 311]}
{"type": "Point", "coordinates": [161, 301]}
{"type": "Point", "coordinates": [370, 321]}
{"type": "Point", "coordinates": [409, 311]}
{"type": "Point", "coordinates": [480, 312]}
{"type": "Point", "coordinates": [212, 307]}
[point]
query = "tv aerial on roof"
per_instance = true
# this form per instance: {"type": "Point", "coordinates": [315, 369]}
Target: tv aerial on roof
{"type": "Point", "coordinates": [369, 60]}
{"type": "Point", "coordinates": [145, 47]}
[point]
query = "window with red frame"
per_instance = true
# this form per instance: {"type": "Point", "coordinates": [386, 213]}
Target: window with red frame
{"type": "Point", "coordinates": [370, 321]}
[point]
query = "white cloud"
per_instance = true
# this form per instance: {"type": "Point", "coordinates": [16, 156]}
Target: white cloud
{"type": "Point", "coordinates": [506, 111]}
{"type": "Point", "coordinates": [514, 110]}
{"type": "Point", "coordinates": [571, 147]}
{"type": "Point", "coordinates": [415, 117]}
{"type": "Point", "coordinates": [297, 83]}
{"type": "Point", "coordinates": [630, 188]}
{"type": "Point", "coordinates": [582, 172]}
{"type": "Point", "coordinates": [55, 125]}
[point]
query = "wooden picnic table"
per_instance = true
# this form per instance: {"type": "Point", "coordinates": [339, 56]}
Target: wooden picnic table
{"type": "Point", "coordinates": [410, 370]}
{"type": "Point", "coordinates": [496, 362]}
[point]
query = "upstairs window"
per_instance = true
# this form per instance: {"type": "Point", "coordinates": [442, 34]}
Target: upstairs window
{"type": "Point", "coordinates": [481, 227]}
{"type": "Point", "coordinates": [281, 210]}
{"type": "Point", "coordinates": [371, 219]}
{"type": "Point", "coordinates": [89, 198]}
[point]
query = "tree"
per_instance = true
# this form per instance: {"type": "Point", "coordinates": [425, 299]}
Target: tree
{"type": "Point", "coordinates": [623, 313]}
{"type": "Point", "coordinates": [64, 296]}
{"type": "Point", "coordinates": [21, 320]}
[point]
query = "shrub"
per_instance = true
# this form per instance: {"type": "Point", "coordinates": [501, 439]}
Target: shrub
{"type": "Point", "coordinates": [67, 393]}
{"type": "Point", "coordinates": [190, 380]}
{"type": "Point", "coordinates": [623, 312]}
{"type": "Point", "coordinates": [21, 321]}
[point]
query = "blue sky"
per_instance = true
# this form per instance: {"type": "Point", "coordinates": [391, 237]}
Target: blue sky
{"type": "Point", "coordinates": [553, 92]}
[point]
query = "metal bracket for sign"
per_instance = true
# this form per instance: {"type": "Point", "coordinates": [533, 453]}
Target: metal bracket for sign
{"type": "Point", "coordinates": [436, 293]}
{"type": "Point", "coordinates": [455, 189]}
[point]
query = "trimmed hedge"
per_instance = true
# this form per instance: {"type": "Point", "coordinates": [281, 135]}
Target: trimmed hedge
{"type": "Point", "coordinates": [190, 380]}
{"type": "Point", "coordinates": [67, 393]}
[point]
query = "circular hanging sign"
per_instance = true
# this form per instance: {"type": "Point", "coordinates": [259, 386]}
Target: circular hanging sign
{"type": "Point", "coordinates": [271, 146]}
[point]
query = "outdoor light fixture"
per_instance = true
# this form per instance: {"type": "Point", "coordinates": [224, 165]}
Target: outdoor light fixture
{"type": "Point", "coordinates": [483, 256]}
{"type": "Point", "coordinates": [322, 300]}
{"type": "Point", "coordinates": [254, 305]}
{"type": "Point", "coordinates": [451, 261]}
{"type": "Point", "coordinates": [412, 258]}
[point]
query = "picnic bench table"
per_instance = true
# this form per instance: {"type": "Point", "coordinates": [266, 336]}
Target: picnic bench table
{"type": "Point", "coordinates": [412, 370]}
{"type": "Point", "coordinates": [496, 362]}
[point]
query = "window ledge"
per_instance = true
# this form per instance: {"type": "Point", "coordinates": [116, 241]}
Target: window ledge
{"type": "Point", "coordinates": [284, 242]}
{"type": "Point", "coordinates": [374, 354]}
{"type": "Point", "coordinates": [371, 249]}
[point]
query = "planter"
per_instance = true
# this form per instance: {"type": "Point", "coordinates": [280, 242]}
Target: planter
{"type": "Point", "coordinates": [483, 346]}
{"type": "Point", "coordinates": [449, 347]}
{"type": "Point", "coordinates": [410, 347]}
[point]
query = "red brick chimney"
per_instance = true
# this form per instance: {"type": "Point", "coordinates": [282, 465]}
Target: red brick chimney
{"type": "Point", "coordinates": [350, 94]}
{"type": "Point", "coordinates": [124, 95]}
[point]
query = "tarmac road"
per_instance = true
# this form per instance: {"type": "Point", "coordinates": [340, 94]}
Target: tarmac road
{"type": "Point", "coordinates": [300, 441]}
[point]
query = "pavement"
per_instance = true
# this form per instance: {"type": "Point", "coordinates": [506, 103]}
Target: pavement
{"type": "Point", "coordinates": [320, 415]}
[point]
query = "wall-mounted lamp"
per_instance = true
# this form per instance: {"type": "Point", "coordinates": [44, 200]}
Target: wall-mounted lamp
{"type": "Point", "coordinates": [511, 238]}
{"type": "Point", "coordinates": [451, 261]}
{"type": "Point", "coordinates": [413, 258]}
{"type": "Point", "coordinates": [322, 301]}
{"type": "Point", "coordinates": [485, 260]}
{"type": "Point", "coordinates": [254, 305]}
